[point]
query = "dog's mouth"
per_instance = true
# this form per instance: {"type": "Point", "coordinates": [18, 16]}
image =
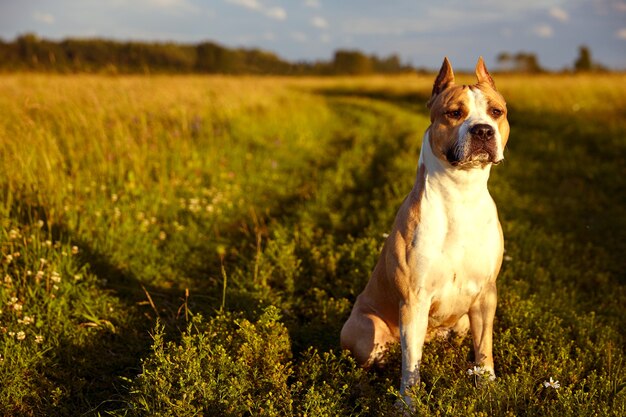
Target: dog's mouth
{"type": "Point", "coordinates": [478, 155]}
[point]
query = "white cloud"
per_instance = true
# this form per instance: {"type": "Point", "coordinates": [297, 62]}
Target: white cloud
{"type": "Point", "coordinates": [248, 4]}
{"type": "Point", "coordinates": [621, 34]}
{"type": "Point", "coordinates": [177, 5]}
{"type": "Point", "coordinates": [314, 4]}
{"type": "Point", "coordinates": [543, 31]}
{"type": "Point", "coordinates": [277, 13]}
{"type": "Point", "coordinates": [434, 19]}
{"type": "Point", "coordinates": [325, 38]}
{"type": "Point", "coordinates": [380, 26]}
{"type": "Point", "coordinates": [46, 18]}
{"type": "Point", "coordinates": [559, 14]}
{"type": "Point", "coordinates": [319, 22]}
{"type": "Point", "coordinates": [299, 37]}
{"type": "Point", "coordinates": [620, 6]}
{"type": "Point", "coordinates": [166, 3]}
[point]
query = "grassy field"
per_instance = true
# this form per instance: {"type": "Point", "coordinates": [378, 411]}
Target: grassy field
{"type": "Point", "coordinates": [184, 246]}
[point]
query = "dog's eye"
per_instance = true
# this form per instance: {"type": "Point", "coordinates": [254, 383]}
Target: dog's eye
{"type": "Point", "coordinates": [495, 113]}
{"type": "Point", "coordinates": [454, 114]}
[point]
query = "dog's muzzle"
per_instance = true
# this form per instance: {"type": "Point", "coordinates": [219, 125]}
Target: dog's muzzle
{"type": "Point", "coordinates": [478, 147]}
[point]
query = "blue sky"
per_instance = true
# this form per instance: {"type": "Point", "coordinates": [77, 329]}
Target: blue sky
{"type": "Point", "coordinates": [421, 32]}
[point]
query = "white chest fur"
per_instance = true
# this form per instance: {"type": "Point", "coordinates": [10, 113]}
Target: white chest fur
{"type": "Point", "coordinates": [456, 244]}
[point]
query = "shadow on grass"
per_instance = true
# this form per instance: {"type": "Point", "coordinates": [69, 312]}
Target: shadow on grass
{"type": "Point", "coordinates": [571, 165]}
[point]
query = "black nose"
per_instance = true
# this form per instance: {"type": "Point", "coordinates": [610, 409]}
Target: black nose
{"type": "Point", "coordinates": [482, 131]}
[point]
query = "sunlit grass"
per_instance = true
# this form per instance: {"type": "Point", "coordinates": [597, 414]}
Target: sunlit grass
{"type": "Point", "coordinates": [261, 204]}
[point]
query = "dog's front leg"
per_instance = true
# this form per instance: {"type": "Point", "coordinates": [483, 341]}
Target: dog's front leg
{"type": "Point", "coordinates": [481, 317]}
{"type": "Point", "coordinates": [413, 326]}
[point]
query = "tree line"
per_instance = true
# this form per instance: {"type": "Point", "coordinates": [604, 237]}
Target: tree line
{"type": "Point", "coordinates": [528, 62]}
{"type": "Point", "coordinates": [29, 52]}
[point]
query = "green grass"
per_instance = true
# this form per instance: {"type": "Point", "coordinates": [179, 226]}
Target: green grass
{"type": "Point", "coordinates": [192, 246]}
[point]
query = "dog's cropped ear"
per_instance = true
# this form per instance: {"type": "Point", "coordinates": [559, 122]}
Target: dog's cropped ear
{"type": "Point", "coordinates": [482, 74]}
{"type": "Point", "coordinates": [444, 79]}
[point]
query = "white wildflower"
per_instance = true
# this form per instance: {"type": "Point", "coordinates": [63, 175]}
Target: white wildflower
{"type": "Point", "coordinates": [15, 304]}
{"type": "Point", "coordinates": [38, 339]}
{"type": "Point", "coordinates": [551, 384]}
{"type": "Point", "coordinates": [20, 335]}
{"type": "Point", "coordinates": [480, 371]}
{"type": "Point", "coordinates": [476, 370]}
{"type": "Point", "coordinates": [194, 205]}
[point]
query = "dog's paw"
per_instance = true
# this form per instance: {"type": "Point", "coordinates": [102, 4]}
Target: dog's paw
{"type": "Point", "coordinates": [405, 406]}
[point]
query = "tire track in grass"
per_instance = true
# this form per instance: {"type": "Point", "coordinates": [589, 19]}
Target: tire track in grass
{"type": "Point", "coordinates": [333, 237]}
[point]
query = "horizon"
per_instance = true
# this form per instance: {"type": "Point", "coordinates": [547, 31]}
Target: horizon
{"type": "Point", "coordinates": [312, 30]}
{"type": "Point", "coordinates": [500, 67]}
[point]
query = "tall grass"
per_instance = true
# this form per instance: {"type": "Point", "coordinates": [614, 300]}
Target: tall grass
{"type": "Point", "coordinates": [192, 245]}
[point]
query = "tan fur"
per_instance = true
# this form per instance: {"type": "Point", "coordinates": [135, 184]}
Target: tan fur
{"type": "Point", "coordinates": [438, 266]}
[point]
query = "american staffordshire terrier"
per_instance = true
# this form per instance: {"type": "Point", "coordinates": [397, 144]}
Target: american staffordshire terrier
{"type": "Point", "coordinates": [438, 267]}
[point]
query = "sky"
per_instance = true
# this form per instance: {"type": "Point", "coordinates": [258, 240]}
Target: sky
{"type": "Point", "coordinates": [420, 32]}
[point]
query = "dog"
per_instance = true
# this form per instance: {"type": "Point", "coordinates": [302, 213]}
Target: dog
{"type": "Point", "coordinates": [438, 267]}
